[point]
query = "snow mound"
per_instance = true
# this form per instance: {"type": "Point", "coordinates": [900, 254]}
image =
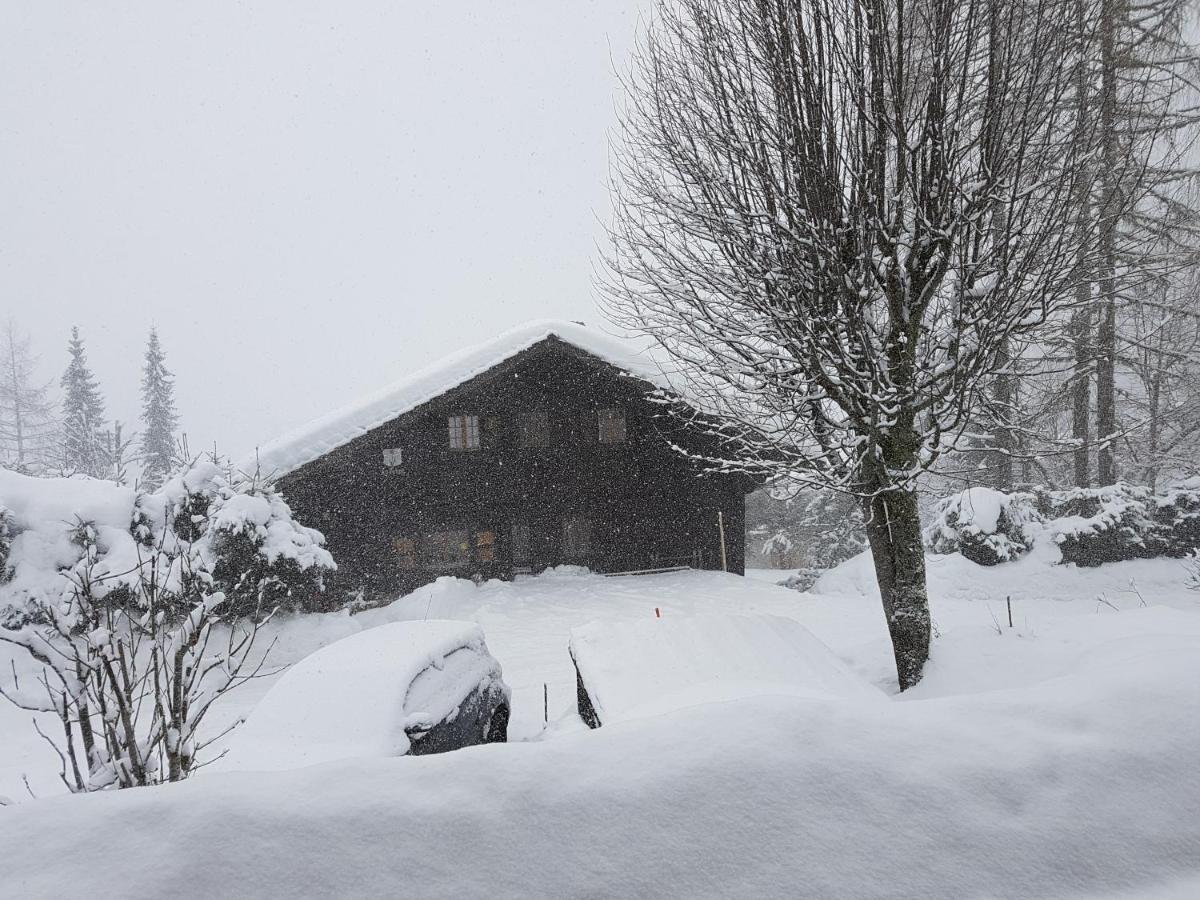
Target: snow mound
{"type": "Point", "coordinates": [357, 696]}
{"type": "Point", "coordinates": [328, 432]}
{"type": "Point", "coordinates": [649, 666]}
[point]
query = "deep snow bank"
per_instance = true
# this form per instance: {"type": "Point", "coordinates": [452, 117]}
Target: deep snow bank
{"type": "Point", "coordinates": [1082, 786]}
{"type": "Point", "coordinates": [648, 666]}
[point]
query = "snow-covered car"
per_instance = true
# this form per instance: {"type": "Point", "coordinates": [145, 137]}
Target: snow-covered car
{"type": "Point", "coordinates": [405, 688]}
{"type": "Point", "coordinates": [645, 667]}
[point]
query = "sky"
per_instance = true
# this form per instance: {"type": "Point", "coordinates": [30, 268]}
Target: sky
{"type": "Point", "coordinates": [307, 199]}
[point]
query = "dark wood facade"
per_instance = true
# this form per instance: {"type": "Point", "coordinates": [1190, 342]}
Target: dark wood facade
{"type": "Point", "coordinates": [552, 457]}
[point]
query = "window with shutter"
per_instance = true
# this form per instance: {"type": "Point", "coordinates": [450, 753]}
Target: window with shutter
{"type": "Point", "coordinates": [464, 432]}
{"type": "Point", "coordinates": [612, 426]}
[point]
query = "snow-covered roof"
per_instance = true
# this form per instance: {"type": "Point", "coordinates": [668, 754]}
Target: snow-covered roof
{"type": "Point", "coordinates": [333, 430]}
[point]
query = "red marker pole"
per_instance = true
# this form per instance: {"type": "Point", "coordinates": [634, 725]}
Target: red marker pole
{"type": "Point", "coordinates": [657, 613]}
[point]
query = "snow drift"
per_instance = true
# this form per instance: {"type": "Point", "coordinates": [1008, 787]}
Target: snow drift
{"type": "Point", "coordinates": [649, 666]}
{"type": "Point", "coordinates": [1081, 786]}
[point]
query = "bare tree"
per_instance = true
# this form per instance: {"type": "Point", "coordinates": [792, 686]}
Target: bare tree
{"type": "Point", "coordinates": [838, 217]}
{"type": "Point", "coordinates": [26, 413]}
{"type": "Point", "coordinates": [1145, 108]}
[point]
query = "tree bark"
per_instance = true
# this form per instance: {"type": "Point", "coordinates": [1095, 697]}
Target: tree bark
{"type": "Point", "coordinates": [1003, 435]}
{"type": "Point", "coordinates": [1081, 319]}
{"type": "Point", "coordinates": [1106, 332]}
{"type": "Point", "coordinates": [894, 533]}
{"type": "Point", "coordinates": [1081, 389]}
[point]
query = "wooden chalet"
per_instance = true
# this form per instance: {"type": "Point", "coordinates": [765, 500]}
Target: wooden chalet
{"type": "Point", "coordinates": [541, 448]}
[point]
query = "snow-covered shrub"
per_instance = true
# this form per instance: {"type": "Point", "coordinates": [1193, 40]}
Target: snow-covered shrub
{"type": "Point", "coordinates": [1122, 521]}
{"type": "Point", "coordinates": [1176, 515]}
{"type": "Point", "coordinates": [5, 542]}
{"type": "Point", "coordinates": [142, 609]}
{"type": "Point", "coordinates": [802, 579]}
{"type": "Point", "coordinates": [253, 550]}
{"type": "Point", "coordinates": [984, 525]}
{"type": "Point", "coordinates": [1093, 526]}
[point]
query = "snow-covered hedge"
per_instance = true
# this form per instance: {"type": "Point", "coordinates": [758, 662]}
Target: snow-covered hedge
{"type": "Point", "coordinates": [1097, 525]}
{"type": "Point", "coordinates": [1091, 526]}
{"type": "Point", "coordinates": [984, 525]}
{"type": "Point", "coordinates": [238, 535]}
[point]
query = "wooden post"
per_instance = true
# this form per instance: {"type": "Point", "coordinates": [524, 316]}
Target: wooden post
{"type": "Point", "coordinates": [545, 704]}
{"type": "Point", "coordinates": [1008, 600]}
{"type": "Point", "coordinates": [721, 528]}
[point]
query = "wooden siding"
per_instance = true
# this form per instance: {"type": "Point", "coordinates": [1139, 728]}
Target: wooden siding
{"type": "Point", "coordinates": [646, 504]}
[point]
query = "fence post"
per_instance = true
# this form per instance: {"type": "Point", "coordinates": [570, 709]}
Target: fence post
{"type": "Point", "coordinates": [721, 529]}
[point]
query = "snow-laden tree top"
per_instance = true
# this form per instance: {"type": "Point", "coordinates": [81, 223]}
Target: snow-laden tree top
{"type": "Point", "coordinates": [333, 430]}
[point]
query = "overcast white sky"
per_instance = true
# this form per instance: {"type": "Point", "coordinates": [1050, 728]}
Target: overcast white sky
{"type": "Point", "coordinates": [309, 199]}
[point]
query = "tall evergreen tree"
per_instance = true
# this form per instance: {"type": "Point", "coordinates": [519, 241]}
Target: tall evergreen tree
{"type": "Point", "coordinates": [158, 415]}
{"type": "Point", "coordinates": [83, 446]}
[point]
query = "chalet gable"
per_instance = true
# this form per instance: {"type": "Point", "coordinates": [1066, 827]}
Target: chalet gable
{"type": "Point", "coordinates": [443, 386]}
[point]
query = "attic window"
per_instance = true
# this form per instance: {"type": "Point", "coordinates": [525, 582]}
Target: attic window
{"type": "Point", "coordinates": [393, 456]}
{"type": "Point", "coordinates": [612, 426]}
{"type": "Point", "coordinates": [464, 432]}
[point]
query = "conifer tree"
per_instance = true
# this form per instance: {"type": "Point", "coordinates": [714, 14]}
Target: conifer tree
{"type": "Point", "coordinates": [83, 447]}
{"type": "Point", "coordinates": [158, 416]}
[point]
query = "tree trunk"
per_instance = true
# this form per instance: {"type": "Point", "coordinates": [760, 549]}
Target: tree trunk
{"type": "Point", "coordinates": [1155, 425]}
{"type": "Point", "coordinates": [894, 532]}
{"type": "Point", "coordinates": [1106, 332]}
{"type": "Point", "coordinates": [1081, 390]}
{"type": "Point", "coordinates": [1003, 434]}
{"type": "Point", "coordinates": [1081, 319]}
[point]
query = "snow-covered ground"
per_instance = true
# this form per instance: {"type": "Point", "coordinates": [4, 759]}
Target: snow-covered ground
{"type": "Point", "coordinates": [1055, 758]}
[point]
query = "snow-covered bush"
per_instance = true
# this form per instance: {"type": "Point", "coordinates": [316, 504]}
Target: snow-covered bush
{"type": "Point", "coordinates": [984, 525]}
{"type": "Point", "coordinates": [5, 542]}
{"type": "Point", "coordinates": [1093, 526]}
{"type": "Point", "coordinates": [1177, 517]}
{"type": "Point", "coordinates": [802, 579]}
{"type": "Point", "coordinates": [142, 609]}
{"type": "Point", "coordinates": [1122, 521]}
{"type": "Point", "coordinates": [251, 547]}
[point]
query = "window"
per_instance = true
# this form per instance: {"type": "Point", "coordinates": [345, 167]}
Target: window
{"type": "Point", "coordinates": [406, 549]}
{"type": "Point", "coordinates": [521, 555]}
{"type": "Point", "coordinates": [612, 426]}
{"type": "Point", "coordinates": [485, 546]}
{"type": "Point", "coordinates": [534, 428]}
{"type": "Point", "coordinates": [393, 457]}
{"type": "Point", "coordinates": [576, 537]}
{"type": "Point", "coordinates": [446, 550]}
{"type": "Point", "coordinates": [464, 432]}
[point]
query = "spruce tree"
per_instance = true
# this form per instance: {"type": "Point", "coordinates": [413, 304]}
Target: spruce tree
{"type": "Point", "coordinates": [83, 415]}
{"type": "Point", "coordinates": [158, 416]}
